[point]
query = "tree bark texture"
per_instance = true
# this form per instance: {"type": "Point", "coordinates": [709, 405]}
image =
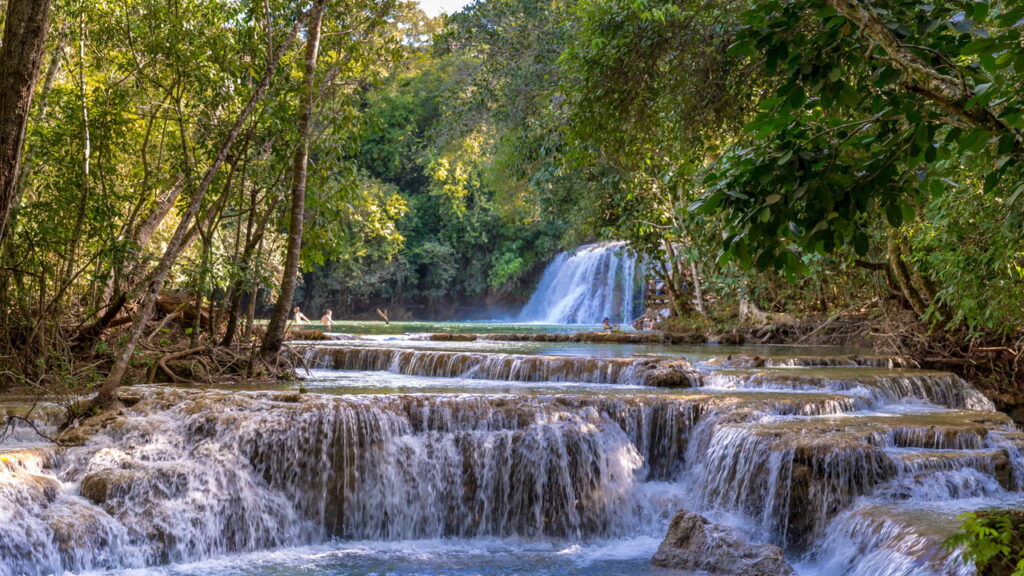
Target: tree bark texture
{"type": "Point", "coordinates": [21, 57]}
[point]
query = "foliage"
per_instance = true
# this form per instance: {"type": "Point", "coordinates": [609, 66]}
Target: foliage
{"type": "Point", "coordinates": [134, 103]}
{"type": "Point", "coordinates": [844, 143]}
{"type": "Point", "coordinates": [798, 155]}
{"type": "Point", "coordinates": [777, 135]}
{"type": "Point", "coordinates": [992, 541]}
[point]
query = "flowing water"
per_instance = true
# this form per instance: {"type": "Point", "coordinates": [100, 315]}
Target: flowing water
{"type": "Point", "coordinates": [413, 457]}
{"type": "Point", "coordinates": [586, 285]}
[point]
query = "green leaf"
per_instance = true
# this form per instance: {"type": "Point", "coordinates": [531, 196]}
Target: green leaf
{"type": "Point", "coordinates": [860, 243]}
{"type": "Point", "coordinates": [907, 211]}
{"type": "Point", "coordinates": [894, 215]}
{"type": "Point", "coordinates": [974, 141]}
{"type": "Point", "coordinates": [1016, 194]}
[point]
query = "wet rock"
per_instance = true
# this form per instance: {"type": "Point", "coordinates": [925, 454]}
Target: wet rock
{"type": "Point", "coordinates": [129, 398]}
{"type": "Point", "coordinates": [289, 397]}
{"type": "Point", "coordinates": [79, 433]}
{"type": "Point", "coordinates": [159, 480]}
{"type": "Point", "coordinates": [77, 526]}
{"type": "Point", "coordinates": [671, 374]}
{"type": "Point", "coordinates": [446, 337]}
{"type": "Point", "coordinates": [105, 484]}
{"type": "Point", "coordinates": [694, 543]}
{"type": "Point", "coordinates": [39, 487]}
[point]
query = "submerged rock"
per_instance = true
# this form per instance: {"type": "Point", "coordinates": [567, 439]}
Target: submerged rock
{"type": "Point", "coordinates": [694, 543]}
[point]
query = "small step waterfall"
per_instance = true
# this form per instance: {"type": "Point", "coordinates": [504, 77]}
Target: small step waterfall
{"type": "Point", "coordinates": [593, 282]}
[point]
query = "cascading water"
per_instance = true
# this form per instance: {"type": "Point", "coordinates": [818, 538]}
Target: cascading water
{"type": "Point", "coordinates": [586, 285]}
{"type": "Point", "coordinates": [853, 469]}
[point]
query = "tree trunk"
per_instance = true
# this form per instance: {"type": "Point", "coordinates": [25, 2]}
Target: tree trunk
{"type": "Point", "coordinates": [83, 199]}
{"type": "Point", "coordinates": [279, 317]}
{"type": "Point", "coordinates": [672, 276]}
{"type": "Point", "coordinates": [234, 310]}
{"type": "Point", "coordinates": [902, 275]}
{"type": "Point", "coordinates": [698, 290]}
{"type": "Point", "coordinates": [107, 392]}
{"type": "Point", "coordinates": [250, 313]}
{"type": "Point", "coordinates": [21, 56]}
{"type": "Point", "coordinates": [117, 297]}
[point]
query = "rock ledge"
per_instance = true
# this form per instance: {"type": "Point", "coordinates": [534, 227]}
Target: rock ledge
{"type": "Point", "coordinates": [694, 543]}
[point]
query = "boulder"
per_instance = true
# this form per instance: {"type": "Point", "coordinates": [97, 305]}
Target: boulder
{"type": "Point", "coordinates": [694, 543]}
{"type": "Point", "coordinates": [106, 483]}
{"type": "Point", "coordinates": [158, 481]}
{"type": "Point", "coordinates": [671, 374]}
{"type": "Point", "coordinates": [80, 432]}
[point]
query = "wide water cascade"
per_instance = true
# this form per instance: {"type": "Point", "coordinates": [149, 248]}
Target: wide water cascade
{"type": "Point", "coordinates": [586, 285]}
{"type": "Point", "coordinates": [430, 461]}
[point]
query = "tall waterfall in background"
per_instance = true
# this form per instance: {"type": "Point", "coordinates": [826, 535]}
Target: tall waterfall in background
{"type": "Point", "coordinates": [596, 281]}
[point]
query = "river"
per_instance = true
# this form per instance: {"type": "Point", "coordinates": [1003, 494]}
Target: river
{"type": "Point", "coordinates": [407, 456]}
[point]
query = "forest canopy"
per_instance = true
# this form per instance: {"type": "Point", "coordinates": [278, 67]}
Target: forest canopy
{"type": "Point", "coordinates": [356, 154]}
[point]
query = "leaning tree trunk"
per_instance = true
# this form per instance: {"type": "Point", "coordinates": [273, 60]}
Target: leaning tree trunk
{"type": "Point", "coordinates": [21, 56]}
{"type": "Point", "coordinates": [279, 317]}
{"type": "Point", "coordinates": [947, 91]}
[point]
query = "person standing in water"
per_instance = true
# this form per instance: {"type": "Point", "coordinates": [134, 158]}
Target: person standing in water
{"type": "Point", "coordinates": [327, 319]}
{"type": "Point", "coordinates": [606, 324]}
{"type": "Point", "coordinates": [300, 318]}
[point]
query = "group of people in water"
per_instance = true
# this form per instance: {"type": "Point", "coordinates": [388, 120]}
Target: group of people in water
{"type": "Point", "coordinates": [300, 318]}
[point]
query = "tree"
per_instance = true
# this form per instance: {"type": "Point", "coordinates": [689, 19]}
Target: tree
{"type": "Point", "coordinates": [106, 395]}
{"type": "Point", "coordinates": [279, 317]}
{"type": "Point", "coordinates": [21, 56]}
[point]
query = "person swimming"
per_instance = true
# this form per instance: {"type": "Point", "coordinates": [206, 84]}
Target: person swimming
{"type": "Point", "coordinates": [606, 324]}
{"type": "Point", "coordinates": [300, 318]}
{"type": "Point", "coordinates": [327, 318]}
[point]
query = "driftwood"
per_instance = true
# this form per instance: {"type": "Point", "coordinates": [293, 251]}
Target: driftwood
{"type": "Point", "coordinates": [183, 304]}
{"type": "Point", "coordinates": [162, 363]}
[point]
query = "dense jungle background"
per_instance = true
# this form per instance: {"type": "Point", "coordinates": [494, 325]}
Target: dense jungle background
{"type": "Point", "coordinates": [826, 168]}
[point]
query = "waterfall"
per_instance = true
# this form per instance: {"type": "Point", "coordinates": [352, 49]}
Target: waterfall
{"type": "Point", "coordinates": [586, 285]}
{"type": "Point", "coordinates": [508, 367]}
{"type": "Point", "coordinates": [881, 386]}
{"type": "Point", "coordinates": [853, 465]}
